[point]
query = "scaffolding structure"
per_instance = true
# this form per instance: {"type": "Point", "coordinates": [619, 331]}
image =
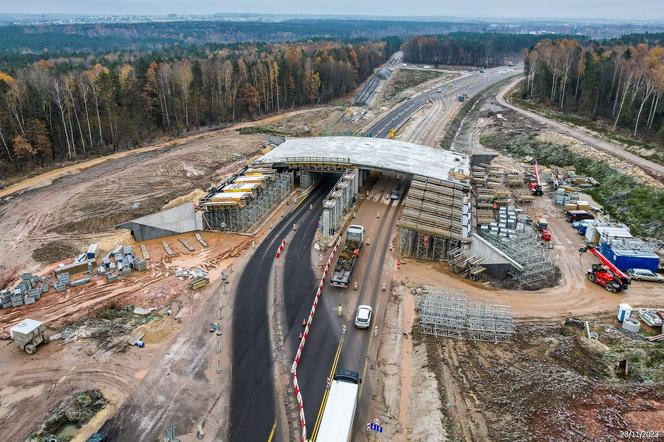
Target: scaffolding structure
{"type": "Point", "coordinates": [435, 219]}
{"type": "Point", "coordinates": [526, 248]}
{"type": "Point", "coordinates": [449, 313]}
{"type": "Point", "coordinates": [243, 211]}
{"type": "Point", "coordinates": [423, 245]}
{"type": "Point", "coordinates": [339, 201]}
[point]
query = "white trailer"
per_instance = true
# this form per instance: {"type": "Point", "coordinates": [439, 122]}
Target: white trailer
{"type": "Point", "coordinates": [339, 413]}
{"type": "Point", "coordinates": [28, 334]}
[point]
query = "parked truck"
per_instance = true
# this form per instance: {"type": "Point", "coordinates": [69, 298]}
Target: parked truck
{"type": "Point", "coordinates": [339, 412]}
{"type": "Point", "coordinates": [28, 334]}
{"type": "Point", "coordinates": [343, 270]}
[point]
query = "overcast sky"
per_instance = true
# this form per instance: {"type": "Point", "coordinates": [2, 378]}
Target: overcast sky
{"type": "Point", "coordinates": [587, 9]}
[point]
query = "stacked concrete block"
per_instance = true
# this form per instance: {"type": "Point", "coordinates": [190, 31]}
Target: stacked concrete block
{"type": "Point", "coordinates": [140, 264]}
{"type": "Point", "coordinates": [17, 300]}
{"type": "Point", "coordinates": [43, 287]}
{"type": "Point", "coordinates": [60, 286]}
{"type": "Point", "coordinates": [64, 278]}
{"type": "Point", "coordinates": [5, 298]}
{"type": "Point", "coordinates": [110, 277]}
{"type": "Point", "coordinates": [34, 294]}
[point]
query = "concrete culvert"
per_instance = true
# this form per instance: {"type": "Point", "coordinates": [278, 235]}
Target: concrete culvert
{"type": "Point", "coordinates": [632, 325]}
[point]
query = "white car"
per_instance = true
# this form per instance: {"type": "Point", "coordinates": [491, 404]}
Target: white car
{"type": "Point", "coordinates": [363, 316]}
{"type": "Point", "coordinates": [644, 275]}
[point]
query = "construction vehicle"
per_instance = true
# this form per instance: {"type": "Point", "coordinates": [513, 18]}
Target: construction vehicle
{"type": "Point", "coordinates": [461, 98]}
{"type": "Point", "coordinates": [28, 334]}
{"type": "Point", "coordinates": [543, 228]}
{"type": "Point", "coordinates": [535, 185]}
{"type": "Point", "coordinates": [606, 274]}
{"type": "Point", "coordinates": [343, 270]}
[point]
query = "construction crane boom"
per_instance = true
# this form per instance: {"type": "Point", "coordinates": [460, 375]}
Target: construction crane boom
{"type": "Point", "coordinates": [537, 175]}
{"type": "Point", "coordinates": [604, 260]}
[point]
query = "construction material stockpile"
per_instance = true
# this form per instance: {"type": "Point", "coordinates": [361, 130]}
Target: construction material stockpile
{"type": "Point", "coordinates": [28, 290]}
{"type": "Point", "coordinates": [117, 263]}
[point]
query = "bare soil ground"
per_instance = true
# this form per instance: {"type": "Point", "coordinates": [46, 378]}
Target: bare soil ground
{"type": "Point", "coordinates": [46, 223]}
{"type": "Point", "coordinates": [65, 210]}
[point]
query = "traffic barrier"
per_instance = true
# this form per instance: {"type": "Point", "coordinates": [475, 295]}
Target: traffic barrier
{"type": "Point", "coordinates": [305, 335]}
{"type": "Point", "coordinates": [281, 248]}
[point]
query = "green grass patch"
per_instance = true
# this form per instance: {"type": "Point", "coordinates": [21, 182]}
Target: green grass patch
{"type": "Point", "coordinates": [626, 199]}
{"type": "Point", "coordinates": [652, 152]}
{"type": "Point", "coordinates": [407, 78]}
{"type": "Point", "coordinates": [69, 415]}
{"type": "Point", "coordinates": [262, 130]}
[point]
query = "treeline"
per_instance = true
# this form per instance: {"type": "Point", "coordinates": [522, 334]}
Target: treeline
{"type": "Point", "coordinates": [467, 48]}
{"type": "Point", "coordinates": [622, 83]}
{"type": "Point", "coordinates": [63, 109]}
{"type": "Point", "coordinates": [147, 36]}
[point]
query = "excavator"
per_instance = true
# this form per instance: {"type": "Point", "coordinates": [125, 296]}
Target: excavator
{"type": "Point", "coordinates": [536, 186]}
{"type": "Point", "coordinates": [606, 274]}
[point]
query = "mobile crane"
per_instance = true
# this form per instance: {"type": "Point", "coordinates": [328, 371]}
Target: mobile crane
{"type": "Point", "coordinates": [606, 274]}
{"type": "Point", "coordinates": [536, 186]}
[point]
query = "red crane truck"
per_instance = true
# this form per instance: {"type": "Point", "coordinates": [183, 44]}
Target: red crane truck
{"type": "Point", "coordinates": [606, 274]}
{"type": "Point", "coordinates": [536, 186]}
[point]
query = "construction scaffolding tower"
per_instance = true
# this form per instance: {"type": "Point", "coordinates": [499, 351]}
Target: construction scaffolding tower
{"type": "Point", "coordinates": [435, 219]}
{"type": "Point", "coordinates": [526, 248]}
{"type": "Point", "coordinates": [243, 211]}
{"type": "Point", "coordinates": [449, 313]}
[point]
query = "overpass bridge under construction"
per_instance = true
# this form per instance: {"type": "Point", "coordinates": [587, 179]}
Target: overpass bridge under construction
{"type": "Point", "coordinates": [437, 212]}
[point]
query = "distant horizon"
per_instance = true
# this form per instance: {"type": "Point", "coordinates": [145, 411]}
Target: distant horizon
{"type": "Point", "coordinates": [339, 16]}
{"type": "Point", "coordinates": [510, 10]}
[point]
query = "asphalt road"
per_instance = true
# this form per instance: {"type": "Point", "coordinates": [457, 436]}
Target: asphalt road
{"type": "Point", "coordinates": [467, 84]}
{"type": "Point", "coordinates": [253, 401]}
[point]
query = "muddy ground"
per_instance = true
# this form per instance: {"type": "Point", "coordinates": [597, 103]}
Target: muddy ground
{"type": "Point", "coordinates": [48, 223]}
{"type": "Point", "coordinates": [549, 382]}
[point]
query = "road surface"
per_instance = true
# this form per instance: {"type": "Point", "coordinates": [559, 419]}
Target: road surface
{"type": "Point", "coordinates": [253, 403]}
{"type": "Point", "coordinates": [468, 84]}
{"type": "Point", "coordinates": [648, 166]}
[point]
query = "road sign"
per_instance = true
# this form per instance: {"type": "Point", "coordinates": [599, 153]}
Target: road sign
{"type": "Point", "coordinates": [373, 427]}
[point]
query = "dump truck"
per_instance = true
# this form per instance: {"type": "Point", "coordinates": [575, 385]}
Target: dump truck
{"type": "Point", "coordinates": [343, 270]}
{"type": "Point", "coordinates": [28, 334]}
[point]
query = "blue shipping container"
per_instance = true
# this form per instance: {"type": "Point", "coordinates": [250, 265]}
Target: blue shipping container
{"type": "Point", "coordinates": [630, 259]}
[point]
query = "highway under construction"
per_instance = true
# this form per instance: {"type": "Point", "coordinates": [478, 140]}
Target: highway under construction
{"type": "Point", "coordinates": [346, 179]}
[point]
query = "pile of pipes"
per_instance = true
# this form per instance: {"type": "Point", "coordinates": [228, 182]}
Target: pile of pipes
{"type": "Point", "coordinates": [27, 291]}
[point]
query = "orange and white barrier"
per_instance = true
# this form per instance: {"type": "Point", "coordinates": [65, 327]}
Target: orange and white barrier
{"type": "Point", "coordinates": [303, 341]}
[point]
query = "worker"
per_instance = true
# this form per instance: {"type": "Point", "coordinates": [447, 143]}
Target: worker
{"type": "Point", "coordinates": [301, 335]}
{"type": "Point", "coordinates": [384, 286]}
{"type": "Point", "coordinates": [355, 285]}
{"type": "Point", "coordinates": [339, 310]}
{"type": "Point", "coordinates": [311, 207]}
{"type": "Point", "coordinates": [304, 323]}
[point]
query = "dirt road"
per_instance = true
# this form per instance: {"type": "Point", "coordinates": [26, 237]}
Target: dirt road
{"type": "Point", "coordinates": [575, 295]}
{"type": "Point", "coordinates": [657, 170]}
